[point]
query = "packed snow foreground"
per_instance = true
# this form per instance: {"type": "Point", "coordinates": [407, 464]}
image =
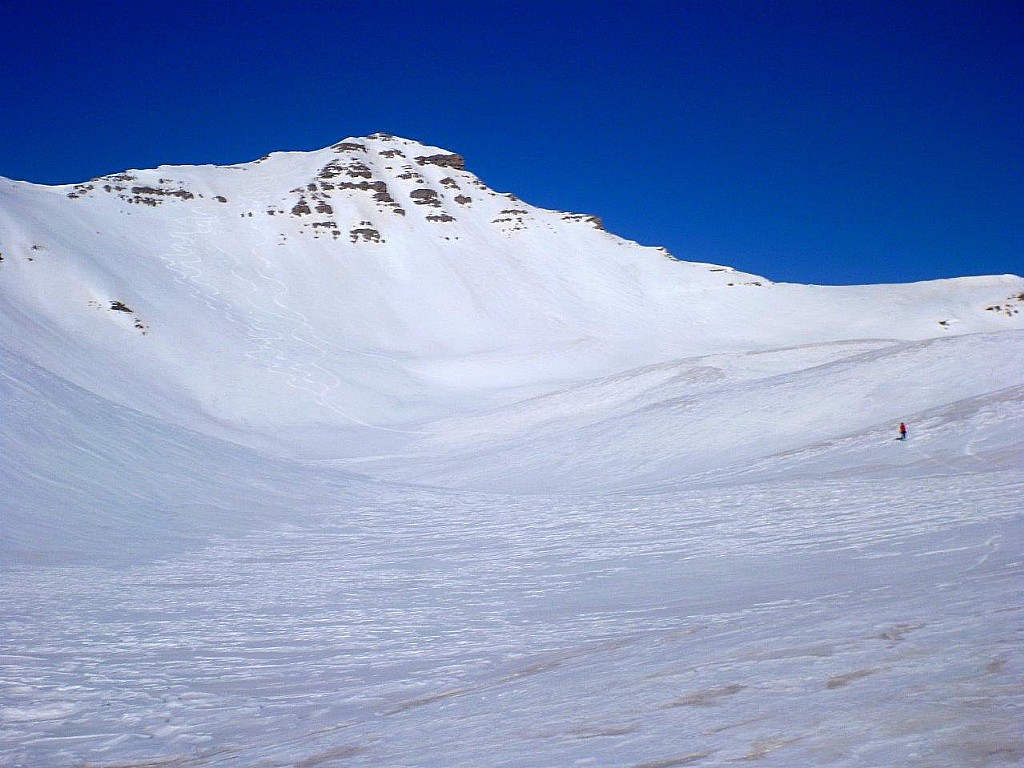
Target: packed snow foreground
{"type": "Point", "coordinates": [342, 458]}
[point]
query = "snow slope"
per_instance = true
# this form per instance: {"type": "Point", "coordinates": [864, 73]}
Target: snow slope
{"type": "Point", "coordinates": [378, 284]}
{"type": "Point", "coordinates": [482, 484]}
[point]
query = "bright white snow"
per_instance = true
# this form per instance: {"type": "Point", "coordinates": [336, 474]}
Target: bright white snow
{"type": "Point", "coordinates": [491, 487]}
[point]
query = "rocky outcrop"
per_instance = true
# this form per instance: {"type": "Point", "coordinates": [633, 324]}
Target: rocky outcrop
{"type": "Point", "coordinates": [457, 162]}
{"type": "Point", "coordinates": [425, 196]}
{"type": "Point", "coordinates": [140, 194]}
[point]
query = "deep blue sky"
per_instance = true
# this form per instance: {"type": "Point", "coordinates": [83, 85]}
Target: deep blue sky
{"type": "Point", "coordinates": [818, 141]}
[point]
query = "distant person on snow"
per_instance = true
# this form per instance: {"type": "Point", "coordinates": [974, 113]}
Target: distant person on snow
{"type": "Point", "coordinates": [903, 431]}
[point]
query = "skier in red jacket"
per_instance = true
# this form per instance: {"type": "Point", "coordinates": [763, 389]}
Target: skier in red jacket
{"type": "Point", "coordinates": [903, 431]}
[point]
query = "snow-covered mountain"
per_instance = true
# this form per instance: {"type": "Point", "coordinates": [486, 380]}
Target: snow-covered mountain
{"type": "Point", "coordinates": [377, 283]}
{"type": "Point", "coordinates": [343, 458]}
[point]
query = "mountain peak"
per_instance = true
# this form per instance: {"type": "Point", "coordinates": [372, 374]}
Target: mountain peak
{"type": "Point", "coordinates": [389, 146]}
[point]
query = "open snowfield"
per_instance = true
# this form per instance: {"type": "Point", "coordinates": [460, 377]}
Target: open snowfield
{"type": "Point", "coordinates": [177, 601]}
{"type": "Point", "coordinates": [591, 507]}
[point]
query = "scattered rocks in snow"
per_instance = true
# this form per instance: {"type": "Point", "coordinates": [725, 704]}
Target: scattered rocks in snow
{"type": "Point", "coordinates": [594, 221]}
{"type": "Point", "coordinates": [1008, 309]}
{"type": "Point", "coordinates": [143, 194]}
{"type": "Point", "coordinates": [120, 306]}
{"type": "Point", "coordinates": [512, 219]}
{"type": "Point", "coordinates": [80, 190]}
{"type": "Point", "coordinates": [328, 226]}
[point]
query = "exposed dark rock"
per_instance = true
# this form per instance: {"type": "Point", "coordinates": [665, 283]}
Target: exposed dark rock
{"type": "Point", "coordinates": [358, 170]}
{"type": "Point", "coordinates": [301, 208]}
{"type": "Point", "coordinates": [354, 169]}
{"type": "Point", "coordinates": [594, 221]}
{"type": "Point", "coordinates": [440, 217]}
{"type": "Point", "coordinates": [463, 200]}
{"type": "Point", "coordinates": [119, 307]}
{"type": "Point", "coordinates": [391, 153]}
{"type": "Point", "coordinates": [348, 146]}
{"type": "Point", "coordinates": [366, 234]}
{"type": "Point", "coordinates": [425, 197]}
{"type": "Point", "coordinates": [444, 161]}
{"type": "Point", "coordinates": [184, 194]}
{"type": "Point", "coordinates": [376, 186]}
{"type": "Point", "coordinates": [1009, 310]}
{"type": "Point", "coordinates": [322, 207]}
{"type": "Point", "coordinates": [330, 170]}
{"type": "Point", "coordinates": [80, 190]}
{"type": "Point", "coordinates": [220, 199]}
{"type": "Point", "coordinates": [512, 219]}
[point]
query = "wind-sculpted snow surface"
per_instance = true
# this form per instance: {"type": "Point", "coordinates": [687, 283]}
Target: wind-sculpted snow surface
{"type": "Point", "coordinates": [857, 622]}
{"type": "Point", "coordinates": [342, 459]}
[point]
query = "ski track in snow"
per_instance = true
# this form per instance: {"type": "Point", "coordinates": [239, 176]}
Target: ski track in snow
{"type": "Point", "coordinates": [786, 623]}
